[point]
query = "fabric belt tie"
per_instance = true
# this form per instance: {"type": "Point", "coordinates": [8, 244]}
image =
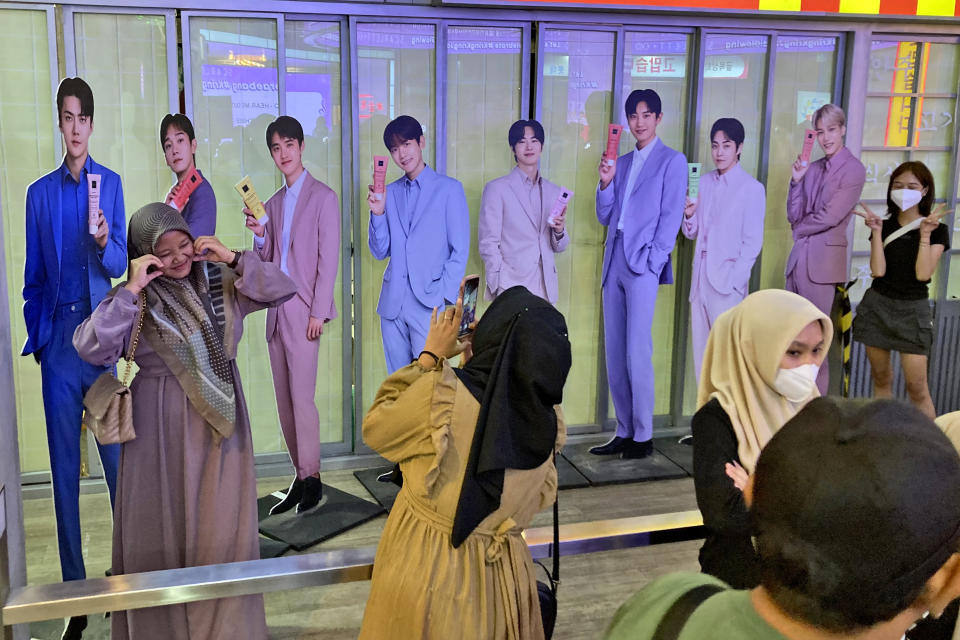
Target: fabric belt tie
{"type": "Point", "coordinates": [497, 537]}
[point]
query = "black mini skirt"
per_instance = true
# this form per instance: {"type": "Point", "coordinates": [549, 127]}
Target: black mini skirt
{"type": "Point", "coordinates": [895, 325]}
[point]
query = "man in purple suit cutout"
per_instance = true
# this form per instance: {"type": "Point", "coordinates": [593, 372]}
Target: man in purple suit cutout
{"type": "Point", "coordinates": [821, 198]}
{"type": "Point", "coordinates": [640, 199]}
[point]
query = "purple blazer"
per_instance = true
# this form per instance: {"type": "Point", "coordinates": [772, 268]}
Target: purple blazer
{"type": "Point", "coordinates": [654, 211]}
{"type": "Point", "coordinates": [818, 209]}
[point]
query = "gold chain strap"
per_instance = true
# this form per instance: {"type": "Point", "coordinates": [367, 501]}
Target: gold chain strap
{"type": "Point", "coordinates": [141, 304]}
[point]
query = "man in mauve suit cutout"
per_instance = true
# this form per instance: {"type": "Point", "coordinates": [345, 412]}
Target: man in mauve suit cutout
{"type": "Point", "coordinates": [423, 226]}
{"type": "Point", "coordinates": [640, 199]}
{"type": "Point", "coordinates": [516, 237]}
{"type": "Point", "coordinates": [67, 272]}
{"type": "Point", "coordinates": [302, 235]}
{"type": "Point", "coordinates": [821, 199]}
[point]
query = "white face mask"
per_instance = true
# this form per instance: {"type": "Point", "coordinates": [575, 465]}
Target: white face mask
{"type": "Point", "coordinates": [797, 384]}
{"type": "Point", "coordinates": [906, 198]}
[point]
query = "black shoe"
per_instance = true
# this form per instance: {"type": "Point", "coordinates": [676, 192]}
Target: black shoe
{"type": "Point", "coordinates": [74, 628]}
{"type": "Point", "coordinates": [616, 445]}
{"type": "Point", "coordinates": [312, 493]}
{"type": "Point", "coordinates": [687, 440]}
{"type": "Point", "coordinates": [294, 493]}
{"type": "Point", "coordinates": [637, 450]}
{"type": "Point", "coordinates": [394, 475]}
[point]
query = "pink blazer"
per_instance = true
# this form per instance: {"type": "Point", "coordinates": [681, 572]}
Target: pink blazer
{"type": "Point", "coordinates": [314, 252]}
{"type": "Point", "coordinates": [818, 209]}
{"type": "Point", "coordinates": [515, 241]}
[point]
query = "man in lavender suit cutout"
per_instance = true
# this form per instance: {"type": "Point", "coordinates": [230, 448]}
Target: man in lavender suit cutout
{"type": "Point", "coordinates": [822, 196]}
{"type": "Point", "coordinates": [726, 220]}
{"type": "Point", "coordinates": [640, 199]}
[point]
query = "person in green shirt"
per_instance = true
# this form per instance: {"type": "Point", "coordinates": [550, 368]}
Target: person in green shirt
{"type": "Point", "coordinates": [858, 532]}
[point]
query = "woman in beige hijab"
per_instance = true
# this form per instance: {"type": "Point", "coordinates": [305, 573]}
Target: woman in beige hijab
{"type": "Point", "coordinates": [759, 369]}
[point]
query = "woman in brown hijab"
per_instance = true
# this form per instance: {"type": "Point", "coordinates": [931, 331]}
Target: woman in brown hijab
{"type": "Point", "coordinates": [186, 494]}
{"type": "Point", "coordinates": [476, 449]}
{"type": "Point", "coordinates": [759, 369]}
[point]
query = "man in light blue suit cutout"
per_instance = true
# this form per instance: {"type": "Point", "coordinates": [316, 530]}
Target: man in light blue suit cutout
{"type": "Point", "coordinates": [67, 272]}
{"type": "Point", "coordinates": [640, 199]}
{"type": "Point", "coordinates": [423, 225]}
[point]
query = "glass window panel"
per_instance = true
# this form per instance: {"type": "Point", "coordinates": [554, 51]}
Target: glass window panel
{"type": "Point", "coordinates": [734, 81]}
{"type": "Point", "coordinates": [880, 166]}
{"type": "Point", "coordinates": [577, 93]}
{"type": "Point", "coordinates": [313, 97]}
{"type": "Point", "coordinates": [27, 130]}
{"type": "Point", "coordinates": [124, 59]}
{"type": "Point", "coordinates": [483, 100]}
{"type": "Point", "coordinates": [943, 68]}
{"type": "Point", "coordinates": [887, 121]}
{"type": "Point", "coordinates": [935, 126]}
{"type": "Point", "coordinates": [803, 81]}
{"type": "Point", "coordinates": [885, 58]}
{"type": "Point", "coordinates": [233, 70]}
{"type": "Point", "coordinates": [955, 242]}
{"type": "Point", "coordinates": [953, 284]}
{"type": "Point", "coordinates": [396, 75]}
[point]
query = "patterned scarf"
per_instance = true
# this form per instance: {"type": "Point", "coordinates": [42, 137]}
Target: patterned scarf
{"type": "Point", "coordinates": [182, 326]}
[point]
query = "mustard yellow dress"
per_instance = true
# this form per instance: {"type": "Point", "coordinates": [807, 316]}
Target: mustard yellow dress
{"type": "Point", "coordinates": [422, 587]}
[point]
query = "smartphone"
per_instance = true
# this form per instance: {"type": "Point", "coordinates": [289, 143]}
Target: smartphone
{"type": "Point", "coordinates": [471, 286]}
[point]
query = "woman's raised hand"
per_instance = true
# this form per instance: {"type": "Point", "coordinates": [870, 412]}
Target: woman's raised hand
{"type": "Point", "coordinates": [140, 275]}
{"type": "Point", "coordinates": [209, 248]}
{"type": "Point", "coordinates": [444, 327]}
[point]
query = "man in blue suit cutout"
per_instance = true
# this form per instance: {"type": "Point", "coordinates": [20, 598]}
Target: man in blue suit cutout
{"type": "Point", "coordinates": [640, 199]}
{"type": "Point", "coordinates": [423, 225]}
{"type": "Point", "coordinates": [66, 273]}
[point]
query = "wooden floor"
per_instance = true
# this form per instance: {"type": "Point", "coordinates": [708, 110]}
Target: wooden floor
{"type": "Point", "coordinates": [593, 585]}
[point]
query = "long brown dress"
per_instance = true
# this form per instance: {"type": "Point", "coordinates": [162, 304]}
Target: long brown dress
{"type": "Point", "coordinates": [183, 498]}
{"type": "Point", "coordinates": [423, 587]}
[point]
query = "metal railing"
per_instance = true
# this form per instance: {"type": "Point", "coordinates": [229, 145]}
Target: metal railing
{"type": "Point", "coordinates": [190, 584]}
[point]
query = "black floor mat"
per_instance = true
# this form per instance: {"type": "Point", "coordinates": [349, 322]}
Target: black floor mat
{"type": "Point", "coordinates": [337, 512]}
{"type": "Point", "coordinates": [600, 470]}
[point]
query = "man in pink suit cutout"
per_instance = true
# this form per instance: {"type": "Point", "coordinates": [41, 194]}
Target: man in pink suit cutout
{"type": "Point", "coordinates": [726, 220]}
{"type": "Point", "coordinates": [821, 198]}
{"type": "Point", "coordinates": [302, 235]}
{"type": "Point", "coordinates": [516, 238]}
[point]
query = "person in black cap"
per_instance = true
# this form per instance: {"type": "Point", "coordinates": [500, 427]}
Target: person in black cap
{"type": "Point", "coordinates": [476, 447]}
{"type": "Point", "coordinates": [857, 515]}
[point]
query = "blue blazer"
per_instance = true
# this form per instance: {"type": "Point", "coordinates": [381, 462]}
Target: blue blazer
{"type": "Point", "coordinates": [44, 230]}
{"type": "Point", "coordinates": [431, 248]}
{"type": "Point", "coordinates": [656, 206]}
